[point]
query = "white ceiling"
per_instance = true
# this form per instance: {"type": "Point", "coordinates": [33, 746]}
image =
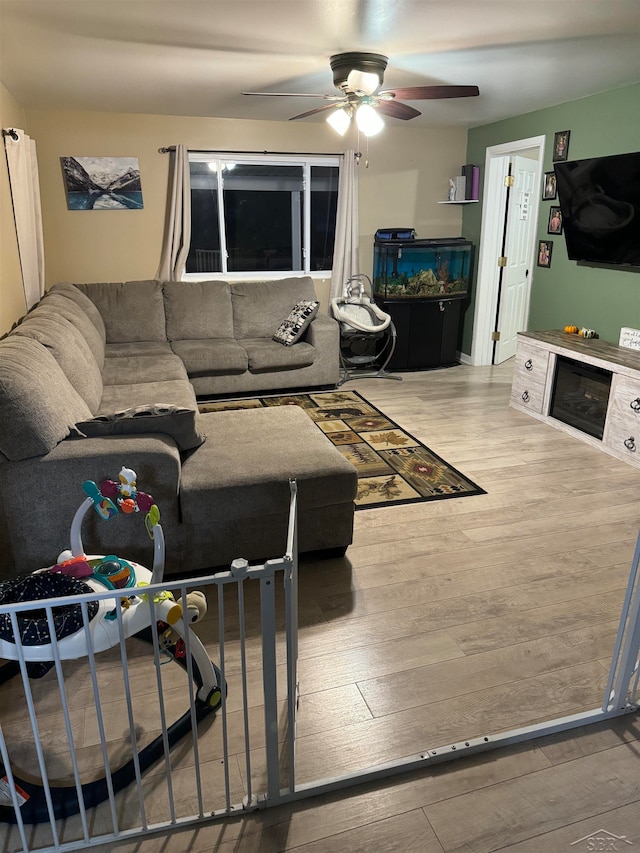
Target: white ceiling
{"type": "Point", "coordinates": [195, 57]}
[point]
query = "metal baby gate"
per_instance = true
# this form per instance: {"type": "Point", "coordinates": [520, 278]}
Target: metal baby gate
{"type": "Point", "coordinates": [203, 775]}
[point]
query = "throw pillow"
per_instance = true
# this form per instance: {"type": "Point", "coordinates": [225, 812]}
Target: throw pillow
{"type": "Point", "coordinates": [175, 421]}
{"type": "Point", "coordinates": [292, 329]}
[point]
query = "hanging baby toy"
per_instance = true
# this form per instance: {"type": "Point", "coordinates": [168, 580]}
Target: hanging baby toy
{"type": "Point", "coordinates": [125, 492]}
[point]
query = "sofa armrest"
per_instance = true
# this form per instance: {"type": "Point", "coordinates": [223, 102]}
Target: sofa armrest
{"type": "Point", "coordinates": [324, 335]}
{"type": "Point", "coordinates": [39, 497]}
{"type": "Point", "coordinates": [323, 332]}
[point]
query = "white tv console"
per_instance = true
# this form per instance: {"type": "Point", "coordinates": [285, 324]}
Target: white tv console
{"type": "Point", "coordinates": [533, 381]}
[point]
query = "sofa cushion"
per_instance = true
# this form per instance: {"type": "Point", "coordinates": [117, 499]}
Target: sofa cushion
{"type": "Point", "coordinates": [178, 423]}
{"type": "Point", "coordinates": [38, 405]}
{"type": "Point", "coordinates": [265, 355]}
{"type": "Point", "coordinates": [214, 357]}
{"type": "Point", "coordinates": [294, 326]}
{"type": "Point", "coordinates": [169, 393]}
{"type": "Point", "coordinates": [70, 350]}
{"type": "Point", "coordinates": [274, 444]}
{"type": "Point", "coordinates": [142, 368]}
{"type": "Point", "coordinates": [71, 292]}
{"type": "Point", "coordinates": [56, 305]}
{"type": "Point", "coordinates": [131, 310]}
{"type": "Point", "coordinates": [260, 306]}
{"type": "Point", "coordinates": [136, 348]}
{"type": "Point", "coordinates": [197, 310]}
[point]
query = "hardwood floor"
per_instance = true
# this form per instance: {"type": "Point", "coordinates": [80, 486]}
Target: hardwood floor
{"type": "Point", "coordinates": [446, 620]}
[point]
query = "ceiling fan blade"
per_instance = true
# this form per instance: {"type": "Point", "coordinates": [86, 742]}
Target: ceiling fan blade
{"type": "Point", "coordinates": [396, 109]}
{"type": "Point", "coordinates": [313, 112]}
{"type": "Point", "coordinates": [429, 93]}
{"type": "Point", "coordinates": [296, 95]}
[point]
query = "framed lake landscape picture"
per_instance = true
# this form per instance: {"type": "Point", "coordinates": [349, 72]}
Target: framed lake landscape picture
{"type": "Point", "coordinates": [102, 183]}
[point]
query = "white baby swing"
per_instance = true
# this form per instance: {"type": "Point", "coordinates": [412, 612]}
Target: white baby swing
{"type": "Point", "coordinates": [367, 333]}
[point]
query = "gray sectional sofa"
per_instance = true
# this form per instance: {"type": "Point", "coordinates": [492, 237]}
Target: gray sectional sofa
{"type": "Point", "coordinates": [101, 376]}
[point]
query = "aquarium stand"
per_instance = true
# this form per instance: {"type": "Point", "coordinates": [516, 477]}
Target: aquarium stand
{"type": "Point", "coordinates": [427, 332]}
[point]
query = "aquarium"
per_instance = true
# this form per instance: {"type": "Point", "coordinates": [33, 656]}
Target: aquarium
{"type": "Point", "coordinates": [421, 269]}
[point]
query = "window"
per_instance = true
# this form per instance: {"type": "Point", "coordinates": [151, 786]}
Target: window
{"type": "Point", "coordinates": [254, 214]}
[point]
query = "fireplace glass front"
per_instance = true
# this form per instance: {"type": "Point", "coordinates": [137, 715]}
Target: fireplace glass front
{"type": "Point", "coordinates": [580, 395]}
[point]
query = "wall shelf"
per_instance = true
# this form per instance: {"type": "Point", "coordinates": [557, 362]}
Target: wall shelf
{"type": "Point", "coordinates": [463, 201]}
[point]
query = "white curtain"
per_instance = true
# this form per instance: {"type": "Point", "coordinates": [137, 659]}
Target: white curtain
{"type": "Point", "coordinates": [177, 237]}
{"type": "Point", "coordinates": [27, 211]}
{"type": "Point", "coordinates": [345, 252]}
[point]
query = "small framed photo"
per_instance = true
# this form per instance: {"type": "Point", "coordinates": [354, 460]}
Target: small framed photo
{"type": "Point", "coordinates": [545, 247]}
{"type": "Point", "coordinates": [561, 145]}
{"type": "Point", "coordinates": [549, 189]}
{"type": "Point", "coordinates": [554, 225]}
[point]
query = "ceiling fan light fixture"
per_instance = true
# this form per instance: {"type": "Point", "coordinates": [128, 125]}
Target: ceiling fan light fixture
{"type": "Point", "coordinates": [368, 120]}
{"type": "Point", "coordinates": [369, 66]}
{"type": "Point", "coordinates": [363, 81]}
{"type": "Point", "coordinates": [339, 120]}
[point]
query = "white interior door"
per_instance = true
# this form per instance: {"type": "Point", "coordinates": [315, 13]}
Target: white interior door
{"type": "Point", "coordinates": [516, 274]}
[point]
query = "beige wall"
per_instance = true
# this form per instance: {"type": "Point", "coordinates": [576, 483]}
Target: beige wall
{"type": "Point", "coordinates": [12, 302]}
{"type": "Point", "coordinates": [408, 173]}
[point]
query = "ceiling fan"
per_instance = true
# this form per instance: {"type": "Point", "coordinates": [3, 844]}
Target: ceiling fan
{"type": "Point", "coordinates": [358, 77]}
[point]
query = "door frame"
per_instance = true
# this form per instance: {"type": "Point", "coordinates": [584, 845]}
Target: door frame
{"type": "Point", "coordinates": [493, 212]}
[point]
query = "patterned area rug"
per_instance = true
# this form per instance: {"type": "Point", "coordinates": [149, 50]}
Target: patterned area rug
{"type": "Point", "coordinates": [393, 466]}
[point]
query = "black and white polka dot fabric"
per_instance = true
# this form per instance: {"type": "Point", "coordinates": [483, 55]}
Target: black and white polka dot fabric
{"type": "Point", "coordinates": [32, 624]}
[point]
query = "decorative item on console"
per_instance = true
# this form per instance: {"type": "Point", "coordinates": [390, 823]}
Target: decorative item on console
{"type": "Point", "coordinates": [583, 332]}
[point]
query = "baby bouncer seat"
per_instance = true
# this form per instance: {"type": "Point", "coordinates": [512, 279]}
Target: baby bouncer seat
{"type": "Point", "coordinates": [367, 333]}
{"type": "Point", "coordinates": [128, 602]}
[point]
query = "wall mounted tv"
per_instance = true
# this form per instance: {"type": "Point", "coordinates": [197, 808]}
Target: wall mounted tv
{"type": "Point", "coordinates": [600, 202]}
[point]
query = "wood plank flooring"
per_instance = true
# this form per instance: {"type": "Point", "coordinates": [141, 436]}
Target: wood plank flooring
{"type": "Point", "coordinates": [446, 620]}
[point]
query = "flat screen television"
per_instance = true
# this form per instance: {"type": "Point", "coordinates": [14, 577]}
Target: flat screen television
{"type": "Point", "coordinates": [600, 203]}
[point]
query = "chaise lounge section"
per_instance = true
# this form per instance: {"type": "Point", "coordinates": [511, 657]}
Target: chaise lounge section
{"type": "Point", "coordinates": [100, 376]}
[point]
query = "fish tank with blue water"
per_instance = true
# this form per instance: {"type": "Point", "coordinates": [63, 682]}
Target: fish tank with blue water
{"type": "Point", "coordinates": [416, 269]}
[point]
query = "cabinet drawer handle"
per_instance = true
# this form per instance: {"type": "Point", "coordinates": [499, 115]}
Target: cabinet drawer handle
{"type": "Point", "coordinates": [635, 404]}
{"type": "Point", "coordinates": [630, 444]}
{"type": "Point", "coordinates": [525, 396]}
{"type": "Point", "coordinates": [528, 364]}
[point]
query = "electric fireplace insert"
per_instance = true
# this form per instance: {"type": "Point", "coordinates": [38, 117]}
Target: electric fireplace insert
{"type": "Point", "coordinates": [580, 395]}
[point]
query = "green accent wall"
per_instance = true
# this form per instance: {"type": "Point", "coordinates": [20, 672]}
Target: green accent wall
{"type": "Point", "coordinates": [568, 293]}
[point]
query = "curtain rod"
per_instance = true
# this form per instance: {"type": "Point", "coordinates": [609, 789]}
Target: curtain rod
{"type": "Point", "coordinates": [171, 148]}
{"type": "Point", "coordinates": [12, 133]}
